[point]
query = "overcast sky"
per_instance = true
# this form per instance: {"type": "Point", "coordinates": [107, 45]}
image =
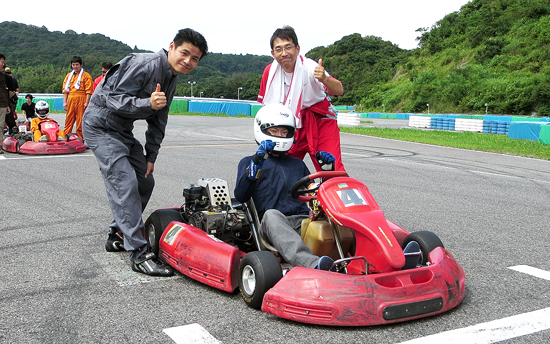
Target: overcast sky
{"type": "Point", "coordinates": [236, 27]}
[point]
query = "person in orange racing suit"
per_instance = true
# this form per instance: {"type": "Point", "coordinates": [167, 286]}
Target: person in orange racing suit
{"type": "Point", "coordinates": [77, 90]}
{"type": "Point", "coordinates": [42, 110]}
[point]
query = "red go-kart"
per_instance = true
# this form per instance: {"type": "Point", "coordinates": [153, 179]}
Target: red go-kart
{"type": "Point", "coordinates": [381, 274]}
{"type": "Point", "coordinates": [23, 143]}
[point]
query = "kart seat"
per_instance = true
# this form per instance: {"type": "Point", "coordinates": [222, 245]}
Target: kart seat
{"type": "Point", "coordinates": [264, 244]}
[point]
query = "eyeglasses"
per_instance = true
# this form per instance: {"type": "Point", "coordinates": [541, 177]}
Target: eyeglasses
{"type": "Point", "coordinates": [287, 49]}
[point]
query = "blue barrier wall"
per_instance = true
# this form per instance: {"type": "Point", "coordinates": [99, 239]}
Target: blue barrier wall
{"type": "Point", "coordinates": [58, 104]}
{"type": "Point", "coordinates": [231, 109]}
{"type": "Point", "coordinates": [525, 130]}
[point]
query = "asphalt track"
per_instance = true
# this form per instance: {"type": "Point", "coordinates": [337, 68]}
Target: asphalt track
{"type": "Point", "coordinates": [60, 286]}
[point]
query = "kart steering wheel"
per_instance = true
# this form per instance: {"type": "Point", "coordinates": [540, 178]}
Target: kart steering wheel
{"type": "Point", "coordinates": [300, 195]}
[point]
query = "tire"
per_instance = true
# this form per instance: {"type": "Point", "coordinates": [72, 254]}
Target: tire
{"type": "Point", "coordinates": [156, 224]}
{"type": "Point", "coordinates": [259, 272]}
{"type": "Point", "coordinates": [428, 241]}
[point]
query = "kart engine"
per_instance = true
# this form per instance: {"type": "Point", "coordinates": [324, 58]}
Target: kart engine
{"type": "Point", "coordinates": [209, 207]}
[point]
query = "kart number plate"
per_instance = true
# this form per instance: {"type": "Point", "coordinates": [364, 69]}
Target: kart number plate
{"type": "Point", "coordinates": [351, 197]}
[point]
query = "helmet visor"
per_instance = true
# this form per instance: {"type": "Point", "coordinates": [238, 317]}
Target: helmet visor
{"type": "Point", "coordinates": [277, 131]}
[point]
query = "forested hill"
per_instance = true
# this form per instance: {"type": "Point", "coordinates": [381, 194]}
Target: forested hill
{"type": "Point", "coordinates": [40, 59]}
{"type": "Point", "coordinates": [494, 52]}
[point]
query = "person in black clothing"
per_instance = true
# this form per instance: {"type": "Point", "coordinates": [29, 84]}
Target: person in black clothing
{"type": "Point", "coordinates": [28, 108]}
{"type": "Point", "coordinates": [10, 116]}
{"type": "Point", "coordinates": [267, 177]}
{"type": "Point", "coordinates": [7, 90]}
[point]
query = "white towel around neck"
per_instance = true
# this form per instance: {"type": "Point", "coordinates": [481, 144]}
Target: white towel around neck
{"type": "Point", "coordinates": [275, 92]}
{"type": "Point", "coordinates": [77, 84]}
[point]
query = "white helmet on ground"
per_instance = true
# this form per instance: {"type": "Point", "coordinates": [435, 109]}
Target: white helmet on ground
{"type": "Point", "coordinates": [42, 109]}
{"type": "Point", "coordinates": [275, 115]}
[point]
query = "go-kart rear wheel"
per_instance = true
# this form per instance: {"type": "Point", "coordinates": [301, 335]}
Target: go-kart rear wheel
{"type": "Point", "coordinates": [259, 272]}
{"type": "Point", "coordinates": [156, 224]}
{"type": "Point", "coordinates": [427, 241]}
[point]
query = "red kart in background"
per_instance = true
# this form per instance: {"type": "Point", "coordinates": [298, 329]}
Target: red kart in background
{"type": "Point", "coordinates": [381, 274]}
{"type": "Point", "coordinates": [22, 142]}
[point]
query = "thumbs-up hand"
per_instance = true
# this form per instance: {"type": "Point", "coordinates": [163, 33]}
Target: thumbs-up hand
{"type": "Point", "coordinates": [158, 99]}
{"type": "Point", "coordinates": [320, 72]}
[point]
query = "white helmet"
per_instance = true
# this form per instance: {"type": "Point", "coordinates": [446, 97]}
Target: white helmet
{"type": "Point", "coordinates": [42, 109]}
{"type": "Point", "coordinates": [275, 115]}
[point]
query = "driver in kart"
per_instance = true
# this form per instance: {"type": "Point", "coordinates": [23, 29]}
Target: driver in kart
{"type": "Point", "coordinates": [42, 111]}
{"type": "Point", "coordinates": [267, 177]}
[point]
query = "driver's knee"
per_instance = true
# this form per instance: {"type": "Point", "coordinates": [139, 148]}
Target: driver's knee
{"type": "Point", "coordinates": [270, 220]}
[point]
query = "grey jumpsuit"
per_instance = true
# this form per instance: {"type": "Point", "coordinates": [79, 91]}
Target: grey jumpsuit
{"type": "Point", "coordinates": [121, 98]}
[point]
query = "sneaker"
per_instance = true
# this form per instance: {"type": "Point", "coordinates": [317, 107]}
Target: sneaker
{"type": "Point", "coordinates": [115, 241]}
{"type": "Point", "coordinates": [43, 138]}
{"type": "Point", "coordinates": [60, 139]}
{"type": "Point", "coordinates": [149, 265]}
{"type": "Point", "coordinates": [325, 263]}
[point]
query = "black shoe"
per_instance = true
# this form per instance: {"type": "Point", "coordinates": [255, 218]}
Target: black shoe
{"type": "Point", "coordinates": [149, 265]}
{"type": "Point", "coordinates": [115, 241]}
{"type": "Point", "coordinates": [325, 263]}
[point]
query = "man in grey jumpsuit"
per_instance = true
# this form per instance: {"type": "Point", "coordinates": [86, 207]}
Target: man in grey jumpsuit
{"type": "Point", "coordinates": [139, 87]}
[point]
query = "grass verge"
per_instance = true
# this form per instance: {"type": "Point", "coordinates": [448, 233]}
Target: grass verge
{"type": "Point", "coordinates": [466, 140]}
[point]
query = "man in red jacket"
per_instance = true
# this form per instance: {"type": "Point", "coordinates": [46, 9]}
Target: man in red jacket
{"type": "Point", "coordinates": [301, 84]}
{"type": "Point", "coordinates": [104, 68]}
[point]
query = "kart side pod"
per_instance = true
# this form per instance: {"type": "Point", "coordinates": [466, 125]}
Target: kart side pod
{"type": "Point", "coordinates": [10, 145]}
{"type": "Point", "coordinates": [200, 256]}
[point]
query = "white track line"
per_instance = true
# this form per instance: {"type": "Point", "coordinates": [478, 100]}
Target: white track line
{"type": "Point", "coordinates": [190, 334]}
{"type": "Point", "coordinates": [496, 330]}
{"type": "Point", "coordinates": [53, 156]}
{"type": "Point", "coordinates": [529, 270]}
{"type": "Point", "coordinates": [492, 331]}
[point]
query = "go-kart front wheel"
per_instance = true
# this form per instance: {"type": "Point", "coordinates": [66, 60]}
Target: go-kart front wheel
{"type": "Point", "coordinates": [427, 241]}
{"type": "Point", "coordinates": [259, 272]}
{"type": "Point", "coordinates": [156, 224]}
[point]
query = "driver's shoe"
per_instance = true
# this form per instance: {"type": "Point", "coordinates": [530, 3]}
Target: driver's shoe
{"type": "Point", "coordinates": [115, 241]}
{"type": "Point", "coordinates": [43, 138]}
{"type": "Point", "coordinates": [325, 263]}
{"type": "Point", "coordinates": [149, 265]}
